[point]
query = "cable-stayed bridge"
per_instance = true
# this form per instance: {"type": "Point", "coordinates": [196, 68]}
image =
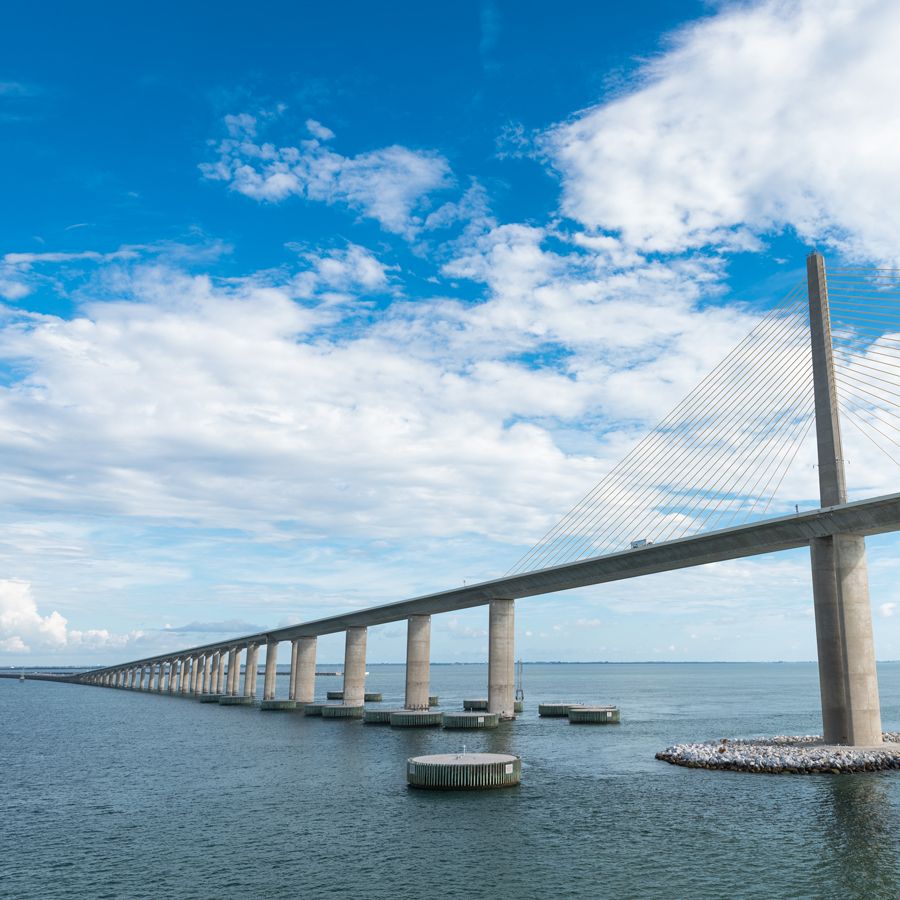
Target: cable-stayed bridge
{"type": "Point", "coordinates": [697, 489]}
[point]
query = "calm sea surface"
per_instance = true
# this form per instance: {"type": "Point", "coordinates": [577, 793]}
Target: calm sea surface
{"type": "Point", "coordinates": [115, 794]}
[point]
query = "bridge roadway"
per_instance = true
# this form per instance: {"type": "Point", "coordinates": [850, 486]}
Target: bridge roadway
{"type": "Point", "coordinates": [866, 517]}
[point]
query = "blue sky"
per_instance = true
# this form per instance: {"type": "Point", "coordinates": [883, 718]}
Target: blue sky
{"type": "Point", "coordinates": [330, 305]}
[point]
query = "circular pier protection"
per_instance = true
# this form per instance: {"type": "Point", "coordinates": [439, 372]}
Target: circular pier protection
{"type": "Point", "coordinates": [342, 711]}
{"type": "Point", "coordinates": [595, 715]}
{"type": "Point", "coordinates": [480, 703]}
{"type": "Point", "coordinates": [464, 771]}
{"type": "Point", "coordinates": [415, 718]}
{"type": "Point", "coordinates": [554, 710]}
{"type": "Point", "coordinates": [471, 720]}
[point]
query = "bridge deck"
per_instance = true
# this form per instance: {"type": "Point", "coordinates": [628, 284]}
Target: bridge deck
{"type": "Point", "coordinates": [867, 517]}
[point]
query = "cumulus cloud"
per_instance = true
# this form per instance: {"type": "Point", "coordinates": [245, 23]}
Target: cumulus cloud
{"type": "Point", "coordinates": [887, 609]}
{"type": "Point", "coordinates": [23, 629]}
{"type": "Point", "coordinates": [780, 114]}
{"type": "Point", "coordinates": [391, 184]}
{"type": "Point", "coordinates": [351, 269]}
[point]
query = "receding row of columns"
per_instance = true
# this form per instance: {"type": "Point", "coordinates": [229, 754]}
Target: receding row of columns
{"type": "Point", "coordinates": [218, 672]}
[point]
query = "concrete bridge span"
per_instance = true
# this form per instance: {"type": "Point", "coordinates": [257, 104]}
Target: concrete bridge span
{"type": "Point", "coordinates": [200, 669]}
{"type": "Point", "coordinates": [835, 534]}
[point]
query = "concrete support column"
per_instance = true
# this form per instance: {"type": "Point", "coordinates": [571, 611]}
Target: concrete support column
{"type": "Point", "coordinates": [292, 678]}
{"type": "Point", "coordinates": [141, 678]}
{"type": "Point", "coordinates": [205, 677]}
{"type": "Point", "coordinates": [132, 678]}
{"type": "Point", "coordinates": [502, 658]}
{"type": "Point", "coordinates": [215, 673]}
{"type": "Point", "coordinates": [418, 661]}
{"type": "Point", "coordinates": [231, 686]}
{"type": "Point", "coordinates": [305, 671]}
{"type": "Point", "coordinates": [271, 671]}
{"type": "Point", "coordinates": [220, 673]}
{"type": "Point", "coordinates": [174, 668]}
{"type": "Point", "coordinates": [848, 679]}
{"type": "Point", "coordinates": [150, 677]}
{"type": "Point", "coordinates": [251, 670]}
{"type": "Point", "coordinates": [160, 676]}
{"type": "Point", "coordinates": [848, 682]}
{"type": "Point", "coordinates": [187, 672]}
{"type": "Point", "coordinates": [355, 666]}
{"type": "Point", "coordinates": [195, 675]}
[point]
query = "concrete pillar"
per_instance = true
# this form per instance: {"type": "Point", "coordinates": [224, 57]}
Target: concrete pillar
{"type": "Point", "coordinates": [502, 658]}
{"type": "Point", "coordinates": [160, 676]}
{"type": "Point", "coordinates": [231, 687]}
{"type": "Point", "coordinates": [271, 671]}
{"type": "Point", "coordinates": [187, 672]}
{"type": "Point", "coordinates": [195, 675]}
{"type": "Point", "coordinates": [355, 666]}
{"type": "Point", "coordinates": [174, 668]}
{"type": "Point", "coordinates": [848, 678]}
{"type": "Point", "coordinates": [305, 680]}
{"type": "Point", "coordinates": [141, 678]}
{"type": "Point", "coordinates": [215, 673]}
{"type": "Point", "coordinates": [418, 661]}
{"type": "Point", "coordinates": [251, 670]}
{"type": "Point", "coordinates": [206, 677]}
{"type": "Point", "coordinates": [292, 678]}
{"type": "Point", "coordinates": [220, 673]}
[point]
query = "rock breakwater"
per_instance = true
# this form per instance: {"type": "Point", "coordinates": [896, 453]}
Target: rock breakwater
{"type": "Point", "coordinates": [802, 755]}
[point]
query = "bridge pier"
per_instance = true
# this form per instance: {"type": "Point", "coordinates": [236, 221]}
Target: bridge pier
{"type": "Point", "coordinates": [230, 681]}
{"type": "Point", "coordinates": [216, 668]}
{"type": "Point", "coordinates": [174, 669]}
{"type": "Point", "coordinates": [848, 678]}
{"type": "Point", "coordinates": [251, 671]}
{"type": "Point", "coordinates": [271, 671]}
{"type": "Point", "coordinates": [502, 658]}
{"type": "Point", "coordinates": [355, 665]}
{"type": "Point", "coordinates": [160, 676]}
{"type": "Point", "coordinates": [292, 677]}
{"type": "Point", "coordinates": [195, 675]}
{"type": "Point", "coordinates": [304, 676]}
{"type": "Point", "coordinates": [418, 661]}
{"type": "Point", "coordinates": [218, 686]}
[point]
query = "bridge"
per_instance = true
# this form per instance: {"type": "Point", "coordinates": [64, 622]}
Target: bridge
{"type": "Point", "coordinates": [672, 503]}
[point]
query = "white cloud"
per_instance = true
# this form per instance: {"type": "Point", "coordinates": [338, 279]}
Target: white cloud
{"type": "Point", "coordinates": [352, 269]}
{"type": "Point", "coordinates": [887, 609]}
{"type": "Point", "coordinates": [391, 184]}
{"type": "Point", "coordinates": [23, 629]}
{"type": "Point", "coordinates": [761, 117]}
{"type": "Point", "coordinates": [27, 260]}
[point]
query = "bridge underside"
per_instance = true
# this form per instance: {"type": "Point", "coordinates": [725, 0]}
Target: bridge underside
{"type": "Point", "coordinates": [864, 517]}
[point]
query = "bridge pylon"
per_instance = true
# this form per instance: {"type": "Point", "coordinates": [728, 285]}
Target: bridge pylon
{"type": "Point", "coordinates": [848, 680]}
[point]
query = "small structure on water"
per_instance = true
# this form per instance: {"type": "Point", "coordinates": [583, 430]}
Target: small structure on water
{"type": "Point", "coordinates": [464, 771]}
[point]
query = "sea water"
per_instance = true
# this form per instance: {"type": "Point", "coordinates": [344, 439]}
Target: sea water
{"type": "Point", "coordinates": [122, 794]}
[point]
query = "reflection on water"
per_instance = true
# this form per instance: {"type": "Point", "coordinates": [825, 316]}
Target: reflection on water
{"type": "Point", "coordinates": [861, 825]}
